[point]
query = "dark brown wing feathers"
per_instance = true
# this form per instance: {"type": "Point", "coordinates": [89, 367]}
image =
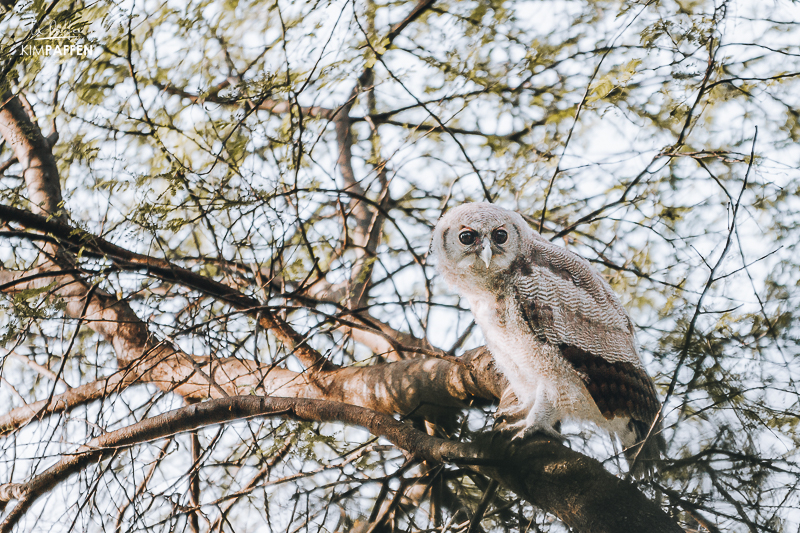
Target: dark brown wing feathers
{"type": "Point", "coordinates": [618, 389]}
{"type": "Point", "coordinates": [568, 306]}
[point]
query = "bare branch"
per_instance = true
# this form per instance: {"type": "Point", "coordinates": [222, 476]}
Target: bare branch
{"type": "Point", "coordinates": [572, 486]}
{"type": "Point", "coordinates": [75, 238]}
{"type": "Point", "coordinates": [33, 151]}
{"type": "Point", "coordinates": [44, 371]}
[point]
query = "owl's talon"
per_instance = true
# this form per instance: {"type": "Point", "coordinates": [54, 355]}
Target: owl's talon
{"type": "Point", "coordinates": [523, 432]}
{"type": "Point", "coordinates": [547, 432]}
{"type": "Point", "coordinates": [514, 413]}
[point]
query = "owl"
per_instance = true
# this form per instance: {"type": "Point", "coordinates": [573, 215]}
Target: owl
{"type": "Point", "coordinates": [554, 327]}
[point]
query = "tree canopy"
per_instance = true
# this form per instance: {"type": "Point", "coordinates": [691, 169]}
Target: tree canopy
{"type": "Point", "coordinates": [219, 311]}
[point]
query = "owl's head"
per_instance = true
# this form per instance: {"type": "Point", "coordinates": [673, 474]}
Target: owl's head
{"type": "Point", "coordinates": [475, 243]}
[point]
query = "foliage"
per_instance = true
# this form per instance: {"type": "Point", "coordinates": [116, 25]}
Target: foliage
{"type": "Point", "coordinates": [265, 145]}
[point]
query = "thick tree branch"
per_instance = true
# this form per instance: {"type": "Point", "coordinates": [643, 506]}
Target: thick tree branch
{"type": "Point", "coordinates": [77, 239]}
{"type": "Point", "coordinates": [33, 151]}
{"type": "Point", "coordinates": [575, 488]}
{"type": "Point", "coordinates": [215, 412]}
{"type": "Point", "coordinates": [420, 386]}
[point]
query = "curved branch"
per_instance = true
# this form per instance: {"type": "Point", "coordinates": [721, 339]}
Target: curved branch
{"type": "Point", "coordinates": [73, 238]}
{"type": "Point", "coordinates": [34, 152]}
{"type": "Point", "coordinates": [421, 386]}
{"type": "Point", "coordinates": [219, 411]}
{"type": "Point", "coordinates": [574, 487]}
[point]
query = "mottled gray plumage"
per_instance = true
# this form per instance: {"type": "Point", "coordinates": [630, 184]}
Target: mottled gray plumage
{"type": "Point", "coordinates": [553, 325]}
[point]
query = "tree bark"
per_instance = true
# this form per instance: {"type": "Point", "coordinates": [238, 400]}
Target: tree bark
{"type": "Point", "coordinates": [572, 486]}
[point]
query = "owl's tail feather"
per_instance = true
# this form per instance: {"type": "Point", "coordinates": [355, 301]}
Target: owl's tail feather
{"type": "Point", "coordinates": [644, 454]}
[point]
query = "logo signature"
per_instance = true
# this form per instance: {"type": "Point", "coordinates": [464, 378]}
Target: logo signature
{"type": "Point", "coordinates": [57, 40]}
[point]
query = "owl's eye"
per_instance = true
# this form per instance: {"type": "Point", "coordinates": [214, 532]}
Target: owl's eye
{"type": "Point", "coordinates": [500, 236]}
{"type": "Point", "coordinates": [467, 237]}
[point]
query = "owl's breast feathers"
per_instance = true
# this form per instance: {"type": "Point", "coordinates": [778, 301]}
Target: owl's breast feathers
{"type": "Point", "coordinates": [567, 305]}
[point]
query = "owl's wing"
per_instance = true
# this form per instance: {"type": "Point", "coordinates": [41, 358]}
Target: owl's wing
{"type": "Point", "coordinates": [567, 304]}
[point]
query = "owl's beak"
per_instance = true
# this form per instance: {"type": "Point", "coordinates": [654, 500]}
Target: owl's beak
{"type": "Point", "coordinates": [486, 253]}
